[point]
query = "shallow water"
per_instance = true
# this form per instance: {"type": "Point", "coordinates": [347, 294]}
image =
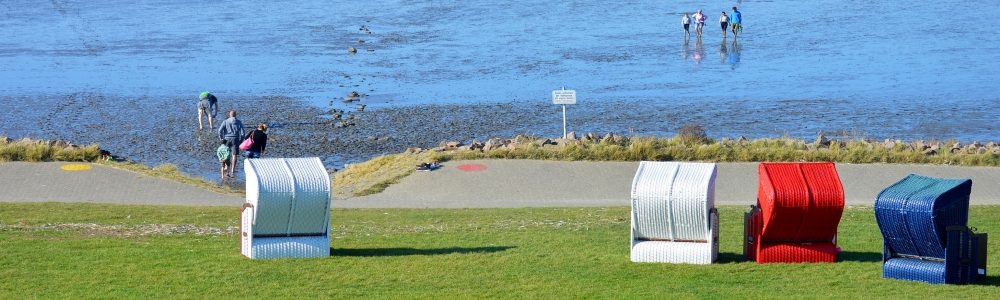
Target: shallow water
{"type": "Point", "coordinates": [878, 69]}
{"type": "Point", "coordinates": [497, 51]}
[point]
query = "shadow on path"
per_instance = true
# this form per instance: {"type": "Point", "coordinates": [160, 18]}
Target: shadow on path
{"type": "Point", "coordinates": [412, 251]}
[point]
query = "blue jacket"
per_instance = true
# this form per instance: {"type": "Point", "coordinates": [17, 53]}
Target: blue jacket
{"type": "Point", "coordinates": [736, 17]}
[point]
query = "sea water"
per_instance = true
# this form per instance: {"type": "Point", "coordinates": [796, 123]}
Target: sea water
{"type": "Point", "coordinates": [842, 58]}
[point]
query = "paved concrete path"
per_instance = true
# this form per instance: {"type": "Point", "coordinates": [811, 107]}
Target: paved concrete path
{"type": "Point", "coordinates": [523, 183]}
{"type": "Point", "coordinates": [501, 183]}
{"type": "Point", "coordinates": [42, 182]}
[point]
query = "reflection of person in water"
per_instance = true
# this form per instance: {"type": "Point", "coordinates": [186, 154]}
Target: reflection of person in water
{"type": "Point", "coordinates": [686, 51]}
{"type": "Point", "coordinates": [699, 53]}
{"type": "Point", "coordinates": [734, 54]}
{"type": "Point", "coordinates": [723, 52]}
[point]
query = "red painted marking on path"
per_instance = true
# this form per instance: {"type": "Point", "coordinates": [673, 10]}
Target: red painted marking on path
{"type": "Point", "coordinates": [471, 168]}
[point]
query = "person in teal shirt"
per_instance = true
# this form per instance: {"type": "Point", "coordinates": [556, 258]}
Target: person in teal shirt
{"type": "Point", "coordinates": [223, 154]}
{"type": "Point", "coordinates": [736, 22]}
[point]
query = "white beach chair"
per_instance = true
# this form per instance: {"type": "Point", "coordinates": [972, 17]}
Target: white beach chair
{"type": "Point", "coordinates": [287, 213]}
{"type": "Point", "coordinates": [674, 219]}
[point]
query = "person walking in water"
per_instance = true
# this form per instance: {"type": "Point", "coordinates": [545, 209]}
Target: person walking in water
{"type": "Point", "coordinates": [224, 159]}
{"type": "Point", "coordinates": [208, 106]}
{"type": "Point", "coordinates": [231, 131]}
{"type": "Point", "coordinates": [699, 22]}
{"type": "Point", "coordinates": [724, 22]}
{"type": "Point", "coordinates": [686, 21]}
{"type": "Point", "coordinates": [259, 137]}
{"type": "Point", "coordinates": [736, 22]}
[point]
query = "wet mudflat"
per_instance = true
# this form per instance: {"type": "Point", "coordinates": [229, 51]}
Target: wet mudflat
{"type": "Point", "coordinates": [156, 131]}
{"type": "Point", "coordinates": [127, 75]}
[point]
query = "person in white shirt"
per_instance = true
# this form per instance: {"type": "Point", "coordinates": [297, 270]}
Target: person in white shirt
{"type": "Point", "coordinates": [686, 20]}
{"type": "Point", "coordinates": [724, 21]}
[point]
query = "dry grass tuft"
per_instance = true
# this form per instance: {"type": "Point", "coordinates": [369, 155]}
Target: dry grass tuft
{"type": "Point", "coordinates": [373, 176]}
{"type": "Point", "coordinates": [43, 151]}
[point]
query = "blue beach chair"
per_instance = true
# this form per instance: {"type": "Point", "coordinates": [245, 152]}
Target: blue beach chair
{"type": "Point", "coordinates": [924, 224]}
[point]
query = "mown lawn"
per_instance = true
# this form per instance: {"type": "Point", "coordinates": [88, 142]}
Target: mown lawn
{"type": "Point", "coordinates": [79, 250]}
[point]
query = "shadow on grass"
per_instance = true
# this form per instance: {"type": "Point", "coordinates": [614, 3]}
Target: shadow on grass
{"type": "Point", "coordinates": [412, 251]}
{"type": "Point", "coordinates": [729, 258]}
{"type": "Point", "coordinates": [990, 281]}
{"type": "Point", "coordinates": [859, 256]}
{"type": "Point", "coordinates": [725, 258]}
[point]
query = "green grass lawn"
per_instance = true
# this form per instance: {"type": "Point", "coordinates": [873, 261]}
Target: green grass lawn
{"type": "Point", "coordinates": [79, 250]}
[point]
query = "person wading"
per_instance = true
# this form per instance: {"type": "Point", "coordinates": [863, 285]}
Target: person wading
{"type": "Point", "coordinates": [259, 137]}
{"type": "Point", "coordinates": [208, 106]}
{"type": "Point", "coordinates": [231, 131]}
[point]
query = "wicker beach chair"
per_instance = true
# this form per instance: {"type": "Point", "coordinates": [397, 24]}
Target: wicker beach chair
{"type": "Point", "coordinates": [287, 213]}
{"type": "Point", "coordinates": [674, 219]}
{"type": "Point", "coordinates": [924, 228]}
{"type": "Point", "coordinates": [799, 206]}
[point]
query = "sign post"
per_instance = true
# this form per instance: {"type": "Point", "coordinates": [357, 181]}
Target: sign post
{"type": "Point", "coordinates": [564, 97]}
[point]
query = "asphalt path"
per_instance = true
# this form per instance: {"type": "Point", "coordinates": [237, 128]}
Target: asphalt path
{"type": "Point", "coordinates": [462, 184]}
{"type": "Point", "coordinates": [527, 183]}
{"type": "Point", "coordinates": [85, 182]}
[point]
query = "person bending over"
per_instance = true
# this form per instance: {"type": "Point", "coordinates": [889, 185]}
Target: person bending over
{"type": "Point", "coordinates": [208, 106]}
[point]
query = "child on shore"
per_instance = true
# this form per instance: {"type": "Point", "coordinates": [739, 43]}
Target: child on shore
{"type": "Point", "coordinates": [223, 154]}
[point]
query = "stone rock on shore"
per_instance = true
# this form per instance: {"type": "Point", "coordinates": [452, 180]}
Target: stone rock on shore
{"type": "Point", "coordinates": [956, 148]}
{"type": "Point", "coordinates": [476, 145]}
{"type": "Point", "coordinates": [821, 141]}
{"type": "Point", "coordinates": [889, 144]}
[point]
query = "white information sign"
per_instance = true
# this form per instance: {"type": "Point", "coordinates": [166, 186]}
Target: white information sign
{"type": "Point", "coordinates": [563, 97]}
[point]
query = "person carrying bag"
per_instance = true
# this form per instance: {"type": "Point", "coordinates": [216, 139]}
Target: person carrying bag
{"type": "Point", "coordinates": [255, 142]}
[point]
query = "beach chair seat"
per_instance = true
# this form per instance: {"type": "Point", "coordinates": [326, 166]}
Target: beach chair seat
{"type": "Point", "coordinates": [924, 226]}
{"type": "Point", "coordinates": [287, 212]}
{"type": "Point", "coordinates": [674, 219]}
{"type": "Point", "coordinates": [798, 209]}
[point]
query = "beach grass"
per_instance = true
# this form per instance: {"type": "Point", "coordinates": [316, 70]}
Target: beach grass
{"type": "Point", "coordinates": [375, 175]}
{"type": "Point", "coordinates": [43, 151]}
{"type": "Point", "coordinates": [83, 250]}
{"type": "Point", "coordinates": [683, 148]}
{"type": "Point", "coordinates": [51, 151]}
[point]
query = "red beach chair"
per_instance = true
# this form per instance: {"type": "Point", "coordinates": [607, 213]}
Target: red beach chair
{"type": "Point", "coordinates": [799, 206]}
